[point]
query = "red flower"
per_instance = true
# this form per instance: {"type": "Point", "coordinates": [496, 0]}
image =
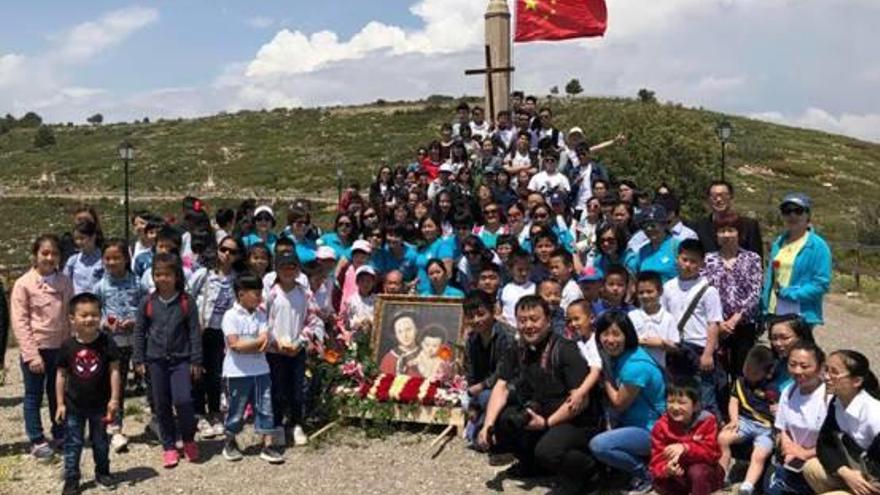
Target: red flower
{"type": "Point", "coordinates": [445, 353]}
{"type": "Point", "coordinates": [776, 264]}
{"type": "Point", "coordinates": [331, 356]}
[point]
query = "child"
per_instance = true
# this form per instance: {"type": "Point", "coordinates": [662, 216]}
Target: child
{"type": "Point", "coordinates": [245, 370]}
{"type": "Point", "coordinates": [591, 281]}
{"type": "Point", "coordinates": [212, 290]}
{"type": "Point", "coordinates": [258, 260]}
{"type": "Point", "coordinates": [167, 343]}
{"type": "Point", "coordinates": [88, 389]}
{"type": "Point", "coordinates": [519, 286]}
{"type": "Point", "coordinates": [85, 268]}
{"type": "Point", "coordinates": [120, 293]}
{"type": "Point", "coordinates": [561, 269]}
{"type": "Point", "coordinates": [38, 309]}
{"type": "Point", "coordinates": [168, 240]}
{"type": "Point", "coordinates": [551, 292]}
{"type": "Point", "coordinates": [360, 255]}
{"type": "Point", "coordinates": [654, 325]}
{"type": "Point", "coordinates": [613, 292]}
{"type": "Point", "coordinates": [489, 279]}
{"type": "Point", "coordinates": [580, 328]}
{"type": "Point", "coordinates": [144, 243]}
{"type": "Point", "coordinates": [751, 418]}
{"type": "Point", "coordinates": [295, 325]}
{"type": "Point", "coordinates": [684, 452]}
{"type": "Point", "coordinates": [357, 312]}
{"type": "Point", "coordinates": [427, 363]}
{"type": "Point", "coordinates": [699, 326]}
{"type": "Point", "coordinates": [142, 260]}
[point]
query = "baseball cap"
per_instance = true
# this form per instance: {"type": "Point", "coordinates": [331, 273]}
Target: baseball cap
{"type": "Point", "coordinates": [590, 274]}
{"type": "Point", "coordinates": [799, 199]}
{"type": "Point", "coordinates": [362, 245]}
{"type": "Point", "coordinates": [325, 253]}
{"type": "Point", "coordinates": [448, 168]}
{"type": "Point", "coordinates": [264, 209]}
{"type": "Point", "coordinates": [365, 269]}
{"type": "Point", "coordinates": [655, 213]}
{"type": "Point", "coordinates": [575, 130]}
{"type": "Point", "coordinates": [287, 259]}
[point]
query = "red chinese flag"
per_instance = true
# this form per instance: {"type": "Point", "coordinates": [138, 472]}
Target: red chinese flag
{"type": "Point", "coordinates": [538, 20]}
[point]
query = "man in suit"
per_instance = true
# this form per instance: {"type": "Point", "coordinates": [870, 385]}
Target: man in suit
{"type": "Point", "coordinates": [721, 203]}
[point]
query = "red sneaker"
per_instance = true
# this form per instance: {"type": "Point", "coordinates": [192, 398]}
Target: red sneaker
{"type": "Point", "coordinates": [191, 451]}
{"type": "Point", "coordinates": [170, 458]}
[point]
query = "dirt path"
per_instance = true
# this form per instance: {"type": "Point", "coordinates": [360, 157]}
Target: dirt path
{"type": "Point", "coordinates": [344, 461]}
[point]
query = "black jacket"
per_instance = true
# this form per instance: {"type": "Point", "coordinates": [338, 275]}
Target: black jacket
{"type": "Point", "coordinates": [169, 332]}
{"type": "Point", "coordinates": [749, 234]}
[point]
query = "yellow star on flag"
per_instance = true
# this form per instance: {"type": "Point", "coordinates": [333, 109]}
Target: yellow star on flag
{"type": "Point", "coordinates": [532, 4]}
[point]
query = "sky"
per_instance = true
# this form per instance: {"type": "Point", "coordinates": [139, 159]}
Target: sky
{"type": "Point", "coordinates": [808, 63]}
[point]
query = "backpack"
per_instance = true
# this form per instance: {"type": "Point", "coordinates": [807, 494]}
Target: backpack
{"type": "Point", "coordinates": [184, 305]}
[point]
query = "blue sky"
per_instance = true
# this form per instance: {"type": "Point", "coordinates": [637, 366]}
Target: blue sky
{"type": "Point", "coordinates": [794, 61]}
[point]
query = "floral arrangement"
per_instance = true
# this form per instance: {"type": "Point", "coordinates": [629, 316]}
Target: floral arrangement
{"type": "Point", "coordinates": [353, 381]}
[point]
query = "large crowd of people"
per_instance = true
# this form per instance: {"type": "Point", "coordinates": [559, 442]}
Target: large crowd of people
{"type": "Point", "coordinates": [604, 333]}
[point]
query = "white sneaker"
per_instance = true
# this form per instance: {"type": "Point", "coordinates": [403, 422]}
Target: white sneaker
{"type": "Point", "coordinates": [299, 436]}
{"type": "Point", "coordinates": [118, 442]}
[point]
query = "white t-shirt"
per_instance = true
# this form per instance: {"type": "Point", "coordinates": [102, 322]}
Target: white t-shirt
{"type": "Point", "coordinates": [586, 188]}
{"type": "Point", "coordinates": [543, 182]}
{"type": "Point", "coordinates": [660, 324]}
{"type": "Point", "coordinates": [510, 295]}
{"type": "Point", "coordinates": [802, 415]}
{"type": "Point", "coordinates": [590, 352]}
{"type": "Point", "coordinates": [861, 420]}
{"type": "Point", "coordinates": [481, 130]}
{"type": "Point", "coordinates": [247, 326]}
{"type": "Point", "coordinates": [677, 294]}
{"type": "Point", "coordinates": [570, 293]}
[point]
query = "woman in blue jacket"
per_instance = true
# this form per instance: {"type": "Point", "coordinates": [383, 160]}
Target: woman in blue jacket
{"type": "Point", "coordinates": [799, 272]}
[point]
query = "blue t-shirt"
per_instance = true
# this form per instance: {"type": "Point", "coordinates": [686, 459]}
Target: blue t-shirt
{"type": "Point", "coordinates": [385, 261]}
{"type": "Point", "coordinates": [781, 379]}
{"type": "Point", "coordinates": [638, 369]}
{"type": "Point", "coordinates": [448, 291]}
{"type": "Point", "coordinates": [251, 239]}
{"type": "Point", "coordinates": [143, 262]}
{"type": "Point", "coordinates": [85, 270]}
{"type": "Point", "coordinates": [332, 240]}
{"type": "Point", "coordinates": [441, 249]}
{"type": "Point", "coordinates": [661, 260]}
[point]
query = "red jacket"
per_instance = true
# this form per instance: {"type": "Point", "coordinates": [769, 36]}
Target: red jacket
{"type": "Point", "coordinates": [701, 439]}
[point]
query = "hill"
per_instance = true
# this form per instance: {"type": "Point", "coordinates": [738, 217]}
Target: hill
{"type": "Point", "coordinates": [290, 152]}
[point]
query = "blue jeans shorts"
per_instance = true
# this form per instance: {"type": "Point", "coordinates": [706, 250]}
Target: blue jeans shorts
{"type": "Point", "coordinates": [760, 435]}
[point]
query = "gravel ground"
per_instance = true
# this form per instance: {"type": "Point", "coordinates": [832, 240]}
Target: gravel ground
{"type": "Point", "coordinates": [343, 460]}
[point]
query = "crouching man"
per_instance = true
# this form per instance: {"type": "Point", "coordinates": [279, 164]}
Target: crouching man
{"type": "Point", "coordinates": [529, 414]}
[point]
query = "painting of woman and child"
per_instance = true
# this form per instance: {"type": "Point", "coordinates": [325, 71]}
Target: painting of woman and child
{"type": "Point", "coordinates": [418, 336]}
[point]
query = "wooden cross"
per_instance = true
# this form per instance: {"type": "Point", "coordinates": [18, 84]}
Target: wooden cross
{"type": "Point", "coordinates": [489, 70]}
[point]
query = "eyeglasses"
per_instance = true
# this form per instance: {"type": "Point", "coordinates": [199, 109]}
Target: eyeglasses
{"type": "Point", "coordinates": [792, 210]}
{"type": "Point", "coordinates": [228, 250]}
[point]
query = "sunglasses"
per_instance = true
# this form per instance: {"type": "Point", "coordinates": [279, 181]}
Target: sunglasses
{"type": "Point", "coordinates": [471, 253]}
{"type": "Point", "coordinates": [796, 210]}
{"type": "Point", "coordinates": [228, 250]}
{"type": "Point", "coordinates": [369, 215]}
{"type": "Point", "coordinates": [491, 211]}
{"type": "Point", "coordinates": [542, 215]}
{"type": "Point", "coordinates": [263, 218]}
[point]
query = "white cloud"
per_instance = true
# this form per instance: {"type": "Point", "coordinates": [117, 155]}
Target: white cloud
{"type": "Point", "coordinates": [448, 27]}
{"type": "Point", "coordinates": [711, 84]}
{"type": "Point", "coordinates": [863, 126]}
{"type": "Point", "coordinates": [260, 22]}
{"type": "Point", "coordinates": [89, 38]}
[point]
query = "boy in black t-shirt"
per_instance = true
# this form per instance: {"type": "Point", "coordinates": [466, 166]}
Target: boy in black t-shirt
{"type": "Point", "coordinates": [88, 389]}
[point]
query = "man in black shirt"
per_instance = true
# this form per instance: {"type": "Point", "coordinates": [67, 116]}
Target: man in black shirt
{"type": "Point", "coordinates": [529, 414]}
{"type": "Point", "coordinates": [88, 388]}
{"type": "Point", "coordinates": [721, 202]}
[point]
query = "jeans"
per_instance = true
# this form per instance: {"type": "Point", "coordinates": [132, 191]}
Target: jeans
{"type": "Point", "coordinates": [625, 449]}
{"type": "Point", "coordinates": [288, 377]}
{"type": "Point", "coordinates": [256, 390]}
{"type": "Point", "coordinates": [784, 482]}
{"type": "Point", "coordinates": [686, 362]}
{"type": "Point", "coordinates": [171, 387]}
{"type": "Point", "coordinates": [478, 404]}
{"type": "Point", "coordinates": [698, 479]}
{"type": "Point", "coordinates": [35, 384]}
{"type": "Point", "coordinates": [206, 396]}
{"type": "Point", "coordinates": [124, 366]}
{"type": "Point", "coordinates": [73, 443]}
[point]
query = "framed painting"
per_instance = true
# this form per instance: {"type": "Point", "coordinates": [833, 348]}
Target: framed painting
{"type": "Point", "coordinates": [418, 336]}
